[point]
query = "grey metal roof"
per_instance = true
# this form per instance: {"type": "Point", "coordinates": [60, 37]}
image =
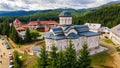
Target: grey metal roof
{"type": "Point", "coordinates": [50, 35]}
{"type": "Point", "coordinates": [68, 28]}
{"type": "Point", "coordinates": [88, 33]}
{"type": "Point", "coordinates": [73, 36]}
{"type": "Point", "coordinates": [65, 14]}
{"type": "Point", "coordinates": [59, 32]}
{"type": "Point", "coordinates": [60, 36]}
{"type": "Point", "coordinates": [57, 29]}
{"type": "Point", "coordinates": [81, 28]}
{"type": "Point", "coordinates": [116, 30]}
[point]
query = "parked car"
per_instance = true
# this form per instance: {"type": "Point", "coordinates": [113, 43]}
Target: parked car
{"type": "Point", "coordinates": [6, 44]}
{"type": "Point", "coordinates": [11, 64]}
{"type": "Point", "coordinates": [10, 56]}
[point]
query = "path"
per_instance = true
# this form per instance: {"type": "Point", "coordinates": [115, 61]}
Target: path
{"type": "Point", "coordinates": [5, 59]}
{"type": "Point", "coordinates": [113, 53]}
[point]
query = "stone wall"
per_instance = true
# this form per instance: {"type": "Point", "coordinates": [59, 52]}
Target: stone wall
{"type": "Point", "coordinates": [92, 43]}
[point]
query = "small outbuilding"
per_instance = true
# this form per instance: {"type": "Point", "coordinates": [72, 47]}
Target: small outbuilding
{"type": "Point", "coordinates": [36, 50]}
{"type": "Point", "coordinates": [115, 34]}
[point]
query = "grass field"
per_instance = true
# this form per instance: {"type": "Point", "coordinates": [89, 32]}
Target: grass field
{"type": "Point", "coordinates": [108, 41]}
{"type": "Point", "coordinates": [28, 61]}
{"type": "Point", "coordinates": [102, 60]}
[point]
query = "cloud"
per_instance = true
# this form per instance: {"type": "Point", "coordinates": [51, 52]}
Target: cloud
{"type": "Point", "coordinates": [49, 4]}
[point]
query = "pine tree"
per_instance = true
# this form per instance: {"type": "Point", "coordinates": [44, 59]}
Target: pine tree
{"type": "Point", "coordinates": [14, 35]}
{"type": "Point", "coordinates": [84, 60]}
{"type": "Point", "coordinates": [1, 27]}
{"type": "Point", "coordinates": [5, 28]}
{"type": "Point", "coordinates": [43, 62]}
{"type": "Point", "coordinates": [28, 36]}
{"type": "Point", "coordinates": [70, 56]}
{"type": "Point", "coordinates": [53, 57]}
{"type": "Point", "coordinates": [17, 61]}
{"type": "Point", "coordinates": [61, 60]}
{"type": "Point", "coordinates": [10, 30]}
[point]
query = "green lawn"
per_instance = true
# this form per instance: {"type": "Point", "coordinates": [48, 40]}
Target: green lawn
{"type": "Point", "coordinates": [108, 41]}
{"type": "Point", "coordinates": [28, 61]}
{"type": "Point", "coordinates": [101, 60]}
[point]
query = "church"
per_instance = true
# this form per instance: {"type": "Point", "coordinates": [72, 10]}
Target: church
{"type": "Point", "coordinates": [65, 31]}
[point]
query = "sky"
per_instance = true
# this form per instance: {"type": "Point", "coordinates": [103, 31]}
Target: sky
{"type": "Point", "coordinates": [14, 5]}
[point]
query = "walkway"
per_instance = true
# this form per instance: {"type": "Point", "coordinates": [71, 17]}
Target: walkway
{"type": "Point", "coordinates": [113, 53]}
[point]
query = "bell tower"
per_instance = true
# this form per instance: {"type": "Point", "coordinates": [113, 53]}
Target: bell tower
{"type": "Point", "coordinates": [65, 18]}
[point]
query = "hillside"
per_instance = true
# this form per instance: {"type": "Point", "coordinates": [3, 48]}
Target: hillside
{"type": "Point", "coordinates": [106, 15]}
{"type": "Point", "coordinates": [112, 2]}
{"type": "Point", "coordinates": [44, 15]}
{"type": "Point", "coordinates": [16, 13]}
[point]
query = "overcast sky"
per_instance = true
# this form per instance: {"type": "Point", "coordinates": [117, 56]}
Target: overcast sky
{"type": "Point", "coordinates": [13, 5]}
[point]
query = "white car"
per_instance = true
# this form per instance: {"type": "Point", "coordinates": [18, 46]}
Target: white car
{"type": "Point", "coordinates": [11, 64]}
{"type": "Point", "coordinates": [11, 61]}
{"type": "Point", "coordinates": [10, 54]}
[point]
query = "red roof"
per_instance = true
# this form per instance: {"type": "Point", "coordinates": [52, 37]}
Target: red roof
{"type": "Point", "coordinates": [33, 23]}
{"type": "Point", "coordinates": [49, 22]}
{"type": "Point", "coordinates": [20, 28]}
{"type": "Point", "coordinates": [47, 29]}
{"type": "Point", "coordinates": [42, 22]}
{"type": "Point", "coordinates": [24, 25]}
{"type": "Point", "coordinates": [16, 20]}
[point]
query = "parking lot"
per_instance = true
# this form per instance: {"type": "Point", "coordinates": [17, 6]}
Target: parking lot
{"type": "Point", "coordinates": [4, 52]}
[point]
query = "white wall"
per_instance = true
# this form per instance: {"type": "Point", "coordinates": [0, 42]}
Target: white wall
{"type": "Point", "coordinates": [115, 38]}
{"type": "Point", "coordinates": [32, 27]}
{"type": "Point", "coordinates": [92, 42]}
{"type": "Point", "coordinates": [65, 20]}
{"type": "Point", "coordinates": [61, 44]}
{"type": "Point", "coordinates": [49, 43]}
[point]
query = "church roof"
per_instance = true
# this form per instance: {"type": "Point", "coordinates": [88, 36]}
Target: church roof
{"type": "Point", "coordinates": [65, 14]}
{"type": "Point", "coordinates": [57, 30]}
{"type": "Point", "coordinates": [81, 28]}
{"type": "Point", "coordinates": [72, 36]}
{"type": "Point", "coordinates": [60, 32]}
{"type": "Point", "coordinates": [66, 29]}
{"type": "Point", "coordinates": [88, 33]}
{"type": "Point", "coordinates": [50, 35]}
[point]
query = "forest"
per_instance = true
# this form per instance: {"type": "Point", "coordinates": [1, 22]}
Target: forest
{"type": "Point", "coordinates": [106, 15]}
